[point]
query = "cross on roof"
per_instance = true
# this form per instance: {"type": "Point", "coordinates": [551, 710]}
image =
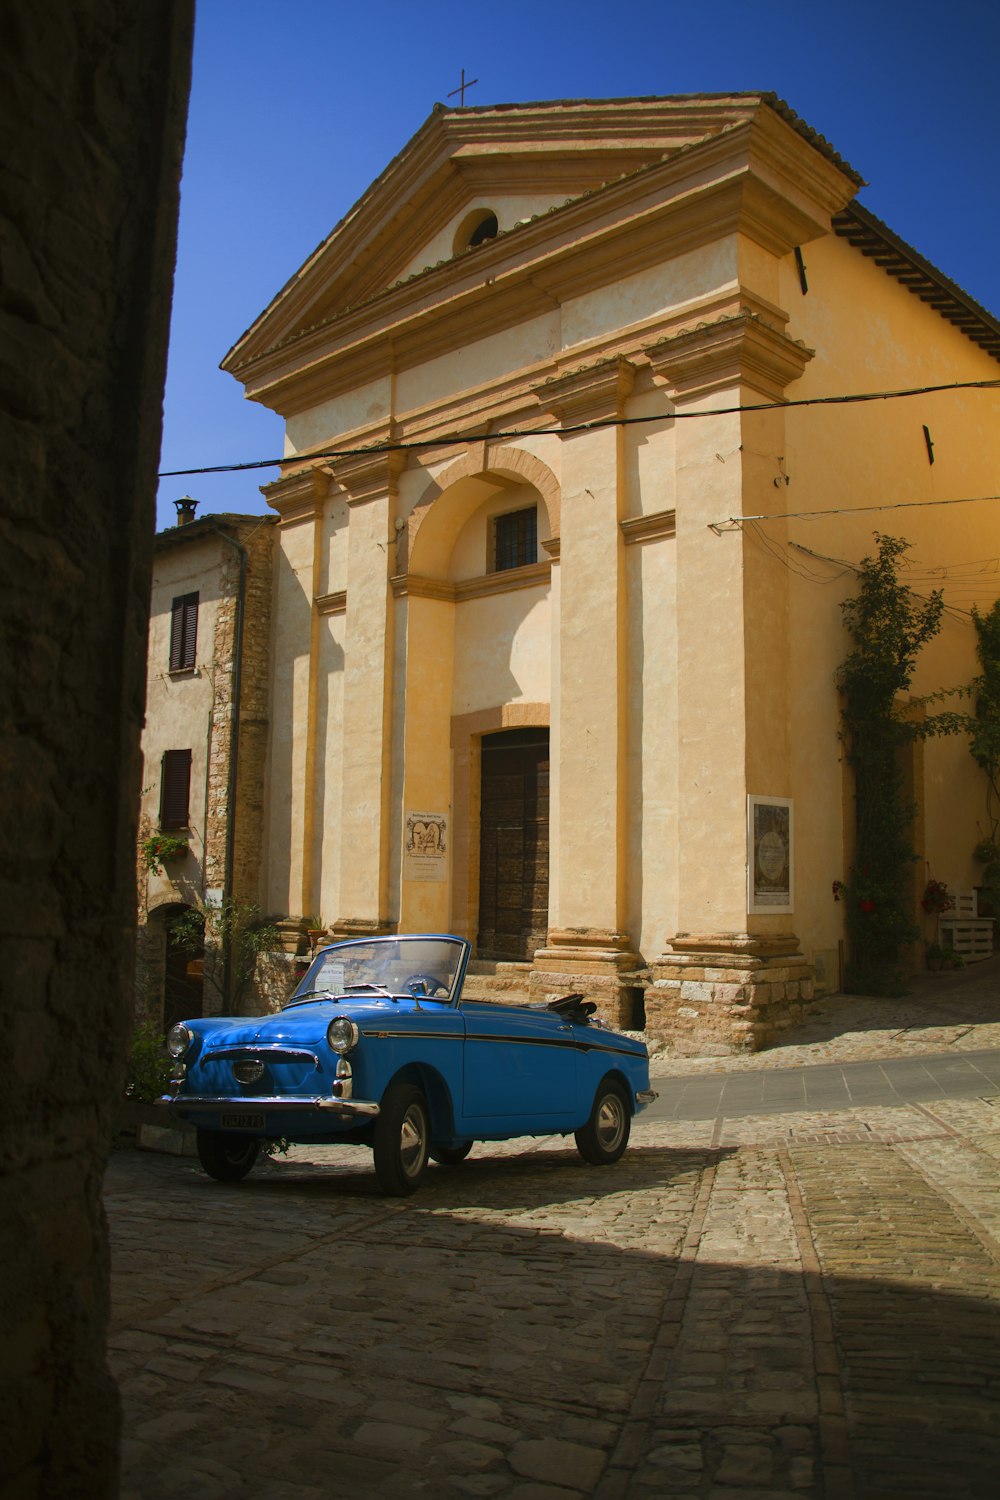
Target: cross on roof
{"type": "Point", "coordinates": [462, 88]}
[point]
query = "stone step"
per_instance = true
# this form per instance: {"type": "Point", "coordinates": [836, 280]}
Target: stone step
{"type": "Point", "coordinates": [488, 979]}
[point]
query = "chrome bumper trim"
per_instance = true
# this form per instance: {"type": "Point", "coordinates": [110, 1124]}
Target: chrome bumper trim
{"type": "Point", "coordinates": [268, 1103]}
{"type": "Point", "coordinates": [646, 1096]}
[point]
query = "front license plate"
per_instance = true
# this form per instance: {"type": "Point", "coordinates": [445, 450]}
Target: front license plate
{"type": "Point", "coordinates": [242, 1122]}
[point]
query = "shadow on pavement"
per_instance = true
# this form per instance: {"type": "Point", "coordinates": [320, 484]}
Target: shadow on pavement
{"type": "Point", "coordinates": [396, 1345]}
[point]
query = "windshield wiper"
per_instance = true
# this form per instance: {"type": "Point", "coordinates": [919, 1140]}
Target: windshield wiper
{"type": "Point", "coordinates": [376, 989]}
{"type": "Point", "coordinates": [301, 999]}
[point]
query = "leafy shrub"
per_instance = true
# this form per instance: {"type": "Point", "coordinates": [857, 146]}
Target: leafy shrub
{"type": "Point", "coordinates": [149, 1067]}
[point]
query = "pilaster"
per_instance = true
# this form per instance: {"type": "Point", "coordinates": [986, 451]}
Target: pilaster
{"type": "Point", "coordinates": [370, 482]}
{"type": "Point", "coordinates": [730, 981]}
{"type": "Point", "coordinates": [587, 946]}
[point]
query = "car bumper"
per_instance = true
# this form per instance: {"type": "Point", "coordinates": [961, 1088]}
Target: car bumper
{"type": "Point", "coordinates": [340, 1109]}
{"type": "Point", "coordinates": [646, 1096]}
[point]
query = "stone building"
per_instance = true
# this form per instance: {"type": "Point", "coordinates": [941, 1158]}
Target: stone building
{"type": "Point", "coordinates": [204, 747]}
{"type": "Point", "coordinates": [560, 562]}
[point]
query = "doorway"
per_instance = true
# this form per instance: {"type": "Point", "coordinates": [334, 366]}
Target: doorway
{"type": "Point", "coordinates": [183, 969]}
{"type": "Point", "coordinates": [514, 845]}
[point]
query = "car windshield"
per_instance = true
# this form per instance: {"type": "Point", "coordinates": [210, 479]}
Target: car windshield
{"type": "Point", "coordinates": [424, 967]}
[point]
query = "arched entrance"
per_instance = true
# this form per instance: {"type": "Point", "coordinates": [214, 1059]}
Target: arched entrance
{"type": "Point", "coordinates": [183, 966]}
{"type": "Point", "coordinates": [514, 844]}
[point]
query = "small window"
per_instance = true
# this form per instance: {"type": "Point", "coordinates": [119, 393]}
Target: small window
{"type": "Point", "coordinates": [475, 229]}
{"type": "Point", "coordinates": [183, 632]}
{"type": "Point", "coordinates": [175, 788]}
{"type": "Point", "coordinates": [515, 539]}
{"type": "Point", "coordinates": [486, 229]}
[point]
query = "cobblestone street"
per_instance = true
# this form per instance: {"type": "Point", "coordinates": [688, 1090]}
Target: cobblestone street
{"type": "Point", "coordinates": [791, 1303]}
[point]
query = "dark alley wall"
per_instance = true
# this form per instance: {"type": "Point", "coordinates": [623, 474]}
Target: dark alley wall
{"type": "Point", "coordinates": [93, 98]}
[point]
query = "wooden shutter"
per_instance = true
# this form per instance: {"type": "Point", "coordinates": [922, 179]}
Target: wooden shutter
{"type": "Point", "coordinates": [175, 788]}
{"type": "Point", "coordinates": [183, 632]}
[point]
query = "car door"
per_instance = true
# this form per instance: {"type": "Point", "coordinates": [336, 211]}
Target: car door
{"type": "Point", "coordinates": [520, 1063]}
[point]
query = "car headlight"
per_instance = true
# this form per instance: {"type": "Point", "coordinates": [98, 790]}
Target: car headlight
{"type": "Point", "coordinates": [342, 1034]}
{"type": "Point", "coordinates": [179, 1039]}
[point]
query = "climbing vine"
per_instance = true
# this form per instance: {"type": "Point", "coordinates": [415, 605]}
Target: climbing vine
{"type": "Point", "coordinates": [984, 742]}
{"type": "Point", "coordinates": [888, 625]}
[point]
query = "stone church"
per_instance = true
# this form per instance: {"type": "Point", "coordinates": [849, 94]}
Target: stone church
{"type": "Point", "coordinates": [559, 559]}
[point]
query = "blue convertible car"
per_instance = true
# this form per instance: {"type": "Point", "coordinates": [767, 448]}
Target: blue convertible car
{"type": "Point", "coordinates": [376, 1047]}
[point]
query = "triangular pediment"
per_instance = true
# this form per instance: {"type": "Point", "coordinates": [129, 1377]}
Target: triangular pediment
{"type": "Point", "coordinates": [518, 161]}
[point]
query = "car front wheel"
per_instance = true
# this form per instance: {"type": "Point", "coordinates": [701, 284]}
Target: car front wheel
{"type": "Point", "coordinates": [604, 1137]}
{"type": "Point", "coordinates": [401, 1140]}
{"type": "Point", "coordinates": [227, 1158]}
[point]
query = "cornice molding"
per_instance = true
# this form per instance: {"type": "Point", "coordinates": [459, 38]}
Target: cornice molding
{"type": "Point", "coordinates": [899, 260]}
{"type": "Point", "coordinates": [332, 604]}
{"type": "Point", "coordinates": [739, 350]}
{"type": "Point", "coordinates": [589, 394]}
{"type": "Point", "coordinates": [298, 496]}
{"type": "Point", "coordinates": [508, 581]}
{"type": "Point", "coordinates": [367, 476]}
{"type": "Point", "coordinates": [649, 528]}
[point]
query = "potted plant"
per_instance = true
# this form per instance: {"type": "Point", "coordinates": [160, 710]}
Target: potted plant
{"type": "Point", "coordinates": [157, 848]}
{"type": "Point", "coordinates": [937, 897]}
{"type": "Point", "coordinates": [314, 932]}
{"type": "Point", "coordinates": [934, 955]}
{"type": "Point", "coordinates": [987, 851]}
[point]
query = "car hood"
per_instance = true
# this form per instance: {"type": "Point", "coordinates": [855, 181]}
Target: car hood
{"type": "Point", "coordinates": [300, 1025]}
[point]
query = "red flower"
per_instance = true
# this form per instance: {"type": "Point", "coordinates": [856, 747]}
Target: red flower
{"type": "Point", "coordinates": [866, 903]}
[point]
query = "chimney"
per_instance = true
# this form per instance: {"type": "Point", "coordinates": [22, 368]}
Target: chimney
{"type": "Point", "coordinates": [185, 508]}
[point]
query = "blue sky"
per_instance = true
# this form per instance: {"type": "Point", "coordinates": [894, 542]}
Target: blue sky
{"type": "Point", "coordinates": [296, 105]}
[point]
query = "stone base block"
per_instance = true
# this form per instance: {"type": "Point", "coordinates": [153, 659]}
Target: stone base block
{"type": "Point", "coordinates": [360, 927]}
{"type": "Point", "coordinates": [718, 994]}
{"type": "Point", "coordinates": [596, 963]}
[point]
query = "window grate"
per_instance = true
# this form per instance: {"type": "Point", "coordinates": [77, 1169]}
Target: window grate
{"type": "Point", "coordinates": [515, 539]}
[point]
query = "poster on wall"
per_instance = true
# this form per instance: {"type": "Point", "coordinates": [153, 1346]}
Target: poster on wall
{"type": "Point", "coordinates": [770, 863]}
{"type": "Point", "coordinates": [426, 846]}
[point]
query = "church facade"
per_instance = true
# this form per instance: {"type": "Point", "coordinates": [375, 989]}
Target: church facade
{"type": "Point", "coordinates": [559, 566]}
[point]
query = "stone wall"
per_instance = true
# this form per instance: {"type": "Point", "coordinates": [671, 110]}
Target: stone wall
{"type": "Point", "coordinates": [92, 104]}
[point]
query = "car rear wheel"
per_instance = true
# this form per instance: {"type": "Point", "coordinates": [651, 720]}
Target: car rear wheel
{"type": "Point", "coordinates": [450, 1156]}
{"type": "Point", "coordinates": [605, 1135]}
{"type": "Point", "coordinates": [401, 1140]}
{"type": "Point", "coordinates": [227, 1158]}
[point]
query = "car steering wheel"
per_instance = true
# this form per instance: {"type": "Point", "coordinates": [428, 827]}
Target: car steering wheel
{"type": "Point", "coordinates": [431, 985]}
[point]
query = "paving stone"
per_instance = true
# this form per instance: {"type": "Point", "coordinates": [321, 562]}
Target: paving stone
{"type": "Point", "coordinates": [744, 1315]}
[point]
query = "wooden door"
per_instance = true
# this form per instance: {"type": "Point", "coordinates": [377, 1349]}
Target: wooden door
{"type": "Point", "coordinates": [514, 844]}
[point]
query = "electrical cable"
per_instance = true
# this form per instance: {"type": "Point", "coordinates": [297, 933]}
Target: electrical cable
{"type": "Point", "coordinates": [448, 440]}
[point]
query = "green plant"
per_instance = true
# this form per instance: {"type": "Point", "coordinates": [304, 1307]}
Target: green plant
{"type": "Point", "coordinates": [933, 952]}
{"type": "Point", "coordinates": [985, 726]}
{"type": "Point", "coordinates": [233, 935]}
{"type": "Point", "coordinates": [888, 626]}
{"type": "Point", "coordinates": [156, 848]}
{"type": "Point", "coordinates": [149, 1067]}
{"type": "Point", "coordinates": [987, 852]}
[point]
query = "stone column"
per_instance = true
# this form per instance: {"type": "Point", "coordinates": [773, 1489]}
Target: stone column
{"type": "Point", "coordinates": [587, 948]}
{"type": "Point", "coordinates": [370, 482]}
{"type": "Point", "coordinates": [730, 979]}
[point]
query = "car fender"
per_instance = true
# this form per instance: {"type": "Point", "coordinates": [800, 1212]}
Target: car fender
{"type": "Point", "coordinates": [435, 1090]}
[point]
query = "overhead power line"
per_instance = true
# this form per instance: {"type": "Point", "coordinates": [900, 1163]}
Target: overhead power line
{"type": "Point", "coordinates": [733, 523]}
{"type": "Point", "coordinates": [456, 439]}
